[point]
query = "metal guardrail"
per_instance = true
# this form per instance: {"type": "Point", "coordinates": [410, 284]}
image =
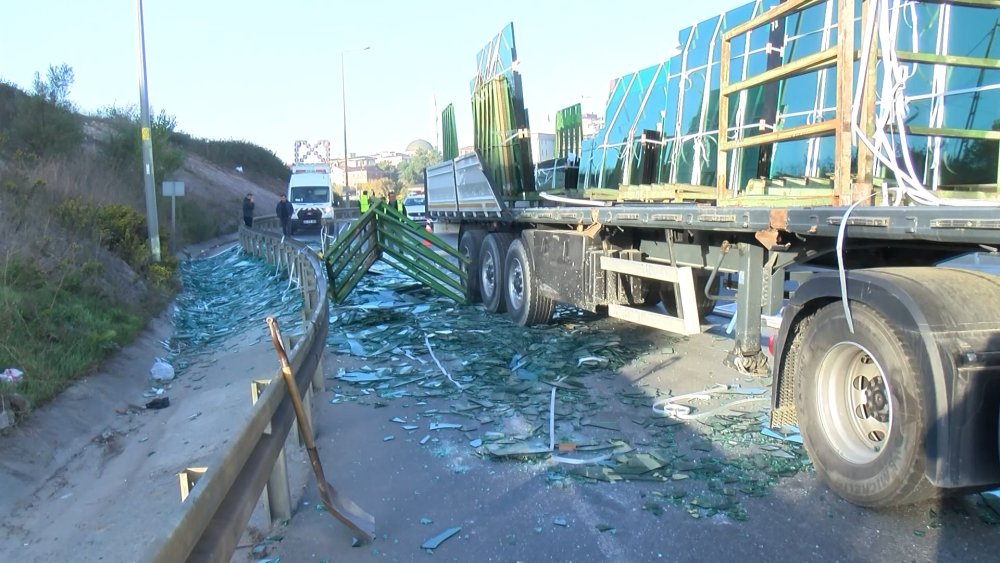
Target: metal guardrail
{"type": "Point", "coordinates": [208, 524]}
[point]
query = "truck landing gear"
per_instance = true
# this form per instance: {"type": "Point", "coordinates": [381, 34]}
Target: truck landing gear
{"type": "Point", "coordinates": [747, 364]}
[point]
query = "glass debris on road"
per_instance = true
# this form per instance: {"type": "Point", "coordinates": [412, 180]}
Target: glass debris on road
{"type": "Point", "coordinates": [436, 541]}
{"type": "Point", "coordinates": [221, 296]}
{"type": "Point", "coordinates": [598, 428]}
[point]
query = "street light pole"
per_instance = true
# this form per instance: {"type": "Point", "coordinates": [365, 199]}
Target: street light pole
{"type": "Point", "coordinates": [343, 97]}
{"type": "Point", "coordinates": [152, 220]}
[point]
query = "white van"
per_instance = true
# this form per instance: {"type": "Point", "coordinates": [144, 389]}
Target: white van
{"type": "Point", "coordinates": [310, 190]}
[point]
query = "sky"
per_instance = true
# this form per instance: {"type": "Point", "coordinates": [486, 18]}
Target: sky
{"type": "Point", "coordinates": [269, 71]}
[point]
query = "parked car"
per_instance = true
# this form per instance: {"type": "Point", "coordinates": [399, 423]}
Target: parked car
{"type": "Point", "coordinates": [416, 207]}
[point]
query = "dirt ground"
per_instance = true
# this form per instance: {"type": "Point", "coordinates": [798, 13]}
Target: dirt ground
{"type": "Point", "coordinates": [89, 476]}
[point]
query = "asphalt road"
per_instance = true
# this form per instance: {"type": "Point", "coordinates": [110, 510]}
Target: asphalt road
{"type": "Point", "coordinates": [514, 510]}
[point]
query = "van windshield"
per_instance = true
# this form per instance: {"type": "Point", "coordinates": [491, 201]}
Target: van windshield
{"type": "Point", "coordinates": [310, 194]}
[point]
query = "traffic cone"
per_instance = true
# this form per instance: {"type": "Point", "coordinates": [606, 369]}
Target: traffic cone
{"type": "Point", "coordinates": [430, 229]}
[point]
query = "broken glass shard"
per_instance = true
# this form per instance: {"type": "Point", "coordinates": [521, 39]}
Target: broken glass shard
{"type": "Point", "coordinates": [434, 542]}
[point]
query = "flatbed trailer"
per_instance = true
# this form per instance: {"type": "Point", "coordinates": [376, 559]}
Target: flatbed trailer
{"type": "Point", "coordinates": [887, 358]}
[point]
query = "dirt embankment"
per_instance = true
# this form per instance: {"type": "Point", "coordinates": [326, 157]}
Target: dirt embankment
{"type": "Point", "coordinates": [88, 476]}
{"type": "Point", "coordinates": [221, 191]}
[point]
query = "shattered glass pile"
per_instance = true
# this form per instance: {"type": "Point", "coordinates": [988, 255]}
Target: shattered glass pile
{"type": "Point", "coordinates": [484, 383]}
{"type": "Point", "coordinates": [224, 296]}
{"type": "Point", "coordinates": [662, 123]}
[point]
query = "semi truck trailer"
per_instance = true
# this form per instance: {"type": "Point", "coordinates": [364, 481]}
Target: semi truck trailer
{"type": "Point", "coordinates": [835, 162]}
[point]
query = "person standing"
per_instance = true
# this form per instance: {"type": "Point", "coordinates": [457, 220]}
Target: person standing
{"type": "Point", "coordinates": [398, 202]}
{"type": "Point", "coordinates": [248, 210]}
{"type": "Point", "coordinates": [284, 212]}
{"type": "Point", "coordinates": [363, 200]}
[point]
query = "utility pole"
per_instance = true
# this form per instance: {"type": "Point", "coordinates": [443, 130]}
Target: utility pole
{"type": "Point", "coordinates": [147, 142]}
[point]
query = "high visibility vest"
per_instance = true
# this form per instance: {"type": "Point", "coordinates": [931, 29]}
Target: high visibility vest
{"type": "Point", "coordinates": [364, 202]}
{"type": "Point", "coordinates": [399, 206]}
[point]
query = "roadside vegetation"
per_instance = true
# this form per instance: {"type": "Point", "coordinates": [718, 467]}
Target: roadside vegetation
{"type": "Point", "coordinates": [399, 179]}
{"type": "Point", "coordinates": [77, 279]}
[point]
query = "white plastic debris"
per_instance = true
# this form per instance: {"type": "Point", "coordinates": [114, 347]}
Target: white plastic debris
{"type": "Point", "coordinates": [591, 361]}
{"type": "Point", "coordinates": [161, 370]}
{"type": "Point", "coordinates": [11, 375]}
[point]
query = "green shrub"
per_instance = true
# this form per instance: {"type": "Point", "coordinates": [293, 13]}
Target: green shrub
{"type": "Point", "coordinates": [123, 231]}
{"type": "Point", "coordinates": [124, 146]}
{"type": "Point", "coordinates": [55, 330]}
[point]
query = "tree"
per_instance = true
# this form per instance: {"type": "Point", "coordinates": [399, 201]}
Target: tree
{"type": "Point", "coordinates": [411, 172]}
{"type": "Point", "coordinates": [124, 147]}
{"type": "Point", "coordinates": [389, 169]}
{"type": "Point", "coordinates": [56, 90]}
{"type": "Point", "coordinates": [44, 122]}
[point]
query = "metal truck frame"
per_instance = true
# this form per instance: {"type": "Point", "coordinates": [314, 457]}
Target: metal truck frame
{"type": "Point", "coordinates": [888, 363]}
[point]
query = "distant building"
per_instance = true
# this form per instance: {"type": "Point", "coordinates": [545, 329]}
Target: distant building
{"type": "Point", "coordinates": [418, 144]}
{"type": "Point", "coordinates": [591, 125]}
{"type": "Point", "coordinates": [361, 169]}
{"type": "Point", "coordinates": [392, 157]}
{"type": "Point", "coordinates": [467, 149]}
{"type": "Point", "coordinates": [543, 147]}
{"type": "Point", "coordinates": [364, 168]}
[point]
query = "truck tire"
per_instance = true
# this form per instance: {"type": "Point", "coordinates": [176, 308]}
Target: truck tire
{"type": "Point", "coordinates": [669, 298]}
{"type": "Point", "coordinates": [524, 304]}
{"type": "Point", "coordinates": [860, 407]}
{"type": "Point", "coordinates": [491, 274]}
{"type": "Point", "coordinates": [470, 245]}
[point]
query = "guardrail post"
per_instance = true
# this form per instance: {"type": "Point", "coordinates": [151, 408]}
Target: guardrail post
{"type": "Point", "coordinates": [308, 287]}
{"type": "Point", "coordinates": [188, 478]}
{"type": "Point", "coordinates": [318, 379]}
{"type": "Point", "coordinates": [277, 493]}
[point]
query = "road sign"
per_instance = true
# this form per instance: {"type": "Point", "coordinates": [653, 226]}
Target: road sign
{"type": "Point", "coordinates": [173, 189]}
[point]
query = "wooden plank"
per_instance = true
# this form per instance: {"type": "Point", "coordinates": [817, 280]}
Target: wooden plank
{"type": "Point", "coordinates": [863, 179]}
{"type": "Point", "coordinates": [769, 16]}
{"type": "Point", "coordinates": [842, 187]}
{"type": "Point", "coordinates": [972, 3]}
{"type": "Point", "coordinates": [721, 173]}
{"type": "Point", "coordinates": [791, 134]}
{"type": "Point", "coordinates": [954, 133]}
{"type": "Point", "coordinates": [951, 60]}
{"type": "Point", "coordinates": [815, 61]}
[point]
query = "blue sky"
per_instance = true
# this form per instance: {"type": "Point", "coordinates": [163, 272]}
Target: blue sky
{"type": "Point", "coordinates": [269, 72]}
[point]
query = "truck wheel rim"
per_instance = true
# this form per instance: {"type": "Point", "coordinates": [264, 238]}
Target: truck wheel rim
{"type": "Point", "coordinates": [515, 285]}
{"type": "Point", "coordinates": [489, 276]}
{"type": "Point", "coordinates": [855, 407]}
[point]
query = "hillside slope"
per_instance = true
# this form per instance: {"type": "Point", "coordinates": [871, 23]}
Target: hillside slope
{"type": "Point", "coordinates": [77, 277]}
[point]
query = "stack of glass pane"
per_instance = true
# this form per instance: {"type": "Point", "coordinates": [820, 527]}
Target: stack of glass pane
{"type": "Point", "coordinates": [500, 122]}
{"type": "Point", "coordinates": [662, 123]}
